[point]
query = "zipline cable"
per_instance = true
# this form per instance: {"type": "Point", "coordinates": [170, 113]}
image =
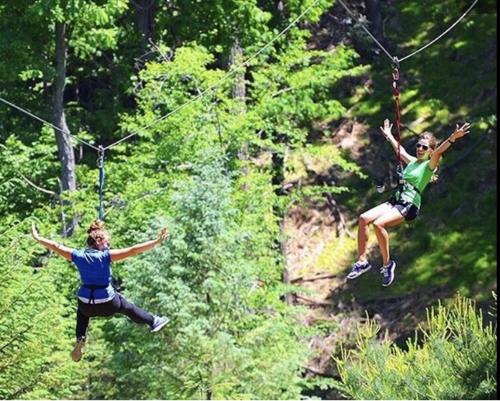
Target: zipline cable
{"type": "Point", "coordinates": [395, 61]}
{"type": "Point", "coordinates": [245, 63]}
{"type": "Point", "coordinates": [218, 83]}
{"type": "Point", "coordinates": [444, 33]}
{"type": "Point", "coordinates": [46, 122]}
{"type": "Point", "coordinates": [367, 31]}
{"type": "Point", "coordinates": [416, 51]}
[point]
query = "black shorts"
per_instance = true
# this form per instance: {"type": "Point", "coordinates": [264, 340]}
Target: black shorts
{"type": "Point", "coordinates": [407, 209]}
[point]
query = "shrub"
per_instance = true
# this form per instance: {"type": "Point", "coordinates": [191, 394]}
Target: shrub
{"type": "Point", "coordinates": [453, 357]}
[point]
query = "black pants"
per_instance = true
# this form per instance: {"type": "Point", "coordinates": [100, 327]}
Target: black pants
{"type": "Point", "coordinates": [117, 305]}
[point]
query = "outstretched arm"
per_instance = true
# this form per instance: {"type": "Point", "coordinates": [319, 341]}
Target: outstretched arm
{"type": "Point", "coordinates": [62, 250]}
{"type": "Point", "coordinates": [387, 131]}
{"type": "Point", "coordinates": [445, 145]}
{"type": "Point", "coordinates": [120, 254]}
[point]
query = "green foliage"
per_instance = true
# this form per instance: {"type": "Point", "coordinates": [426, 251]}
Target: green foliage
{"type": "Point", "coordinates": [35, 325]}
{"type": "Point", "coordinates": [23, 167]}
{"type": "Point", "coordinates": [92, 32]}
{"type": "Point", "coordinates": [294, 93]}
{"type": "Point", "coordinates": [193, 127]}
{"type": "Point", "coordinates": [228, 338]}
{"type": "Point", "coordinates": [207, 173]}
{"type": "Point", "coordinates": [216, 25]}
{"type": "Point", "coordinates": [453, 357]}
{"type": "Point", "coordinates": [91, 24]}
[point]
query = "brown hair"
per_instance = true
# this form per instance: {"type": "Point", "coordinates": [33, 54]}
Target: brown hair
{"type": "Point", "coordinates": [97, 233]}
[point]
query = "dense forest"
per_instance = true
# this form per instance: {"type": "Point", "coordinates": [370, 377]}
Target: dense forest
{"type": "Point", "coordinates": [250, 129]}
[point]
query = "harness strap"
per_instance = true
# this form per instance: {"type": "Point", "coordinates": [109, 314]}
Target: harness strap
{"type": "Point", "coordinates": [397, 95]}
{"type": "Point", "coordinates": [397, 99]}
{"type": "Point", "coordinates": [92, 288]}
{"type": "Point", "coordinates": [406, 183]}
{"type": "Point", "coordinates": [102, 178]}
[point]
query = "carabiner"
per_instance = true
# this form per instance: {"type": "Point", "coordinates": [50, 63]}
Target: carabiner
{"type": "Point", "coordinates": [100, 157]}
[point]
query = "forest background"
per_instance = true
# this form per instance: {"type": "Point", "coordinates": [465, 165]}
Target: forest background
{"type": "Point", "coordinates": [260, 182]}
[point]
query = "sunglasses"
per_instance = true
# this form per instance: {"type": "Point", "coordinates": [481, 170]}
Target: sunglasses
{"type": "Point", "coordinates": [422, 146]}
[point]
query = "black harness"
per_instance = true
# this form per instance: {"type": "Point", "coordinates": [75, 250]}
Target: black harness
{"type": "Point", "coordinates": [400, 189]}
{"type": "Point", "coordinates": [406, 183]}
{"type": "Point", "coordinates": [92, 288]}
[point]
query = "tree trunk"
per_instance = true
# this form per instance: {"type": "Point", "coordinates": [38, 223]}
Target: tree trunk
{"type": "Point", "coordinates": [145, 14]}
{"type": "Point", "coordinates": [235, 59]}
{"type": "Point", "coordinates": [239, 90]}
{"type": "Point", "coordinates": [281, 8]}
{"type": "Point", "coordinates": [286, 271]}
{"type": "Point", "coordinates": [278, 178]}
{"type": "Point", "coordinates": [374, 15]}
{"type": "Point", "coordinates": [278, 172]}
{"type": "Point", "coordinates": [64, 146]}
{"type": "Point", "coordinates": [339, 218]}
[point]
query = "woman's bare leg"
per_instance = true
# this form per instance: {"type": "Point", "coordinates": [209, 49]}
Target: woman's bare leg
{"type": "Point", "coordinates": [392, 218]}
{"type": "Point", "coordinates": [363, 226]}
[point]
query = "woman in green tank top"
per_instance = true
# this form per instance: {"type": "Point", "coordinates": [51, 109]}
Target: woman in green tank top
{"type": "Point", "coordinates": [405, 204]}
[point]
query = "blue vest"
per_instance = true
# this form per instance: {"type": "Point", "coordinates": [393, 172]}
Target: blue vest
{"type": "Point", "coordinates": [95, 273]}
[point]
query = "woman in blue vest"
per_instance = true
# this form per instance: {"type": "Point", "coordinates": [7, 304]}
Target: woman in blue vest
{"type": "Point", "coordinates": [405, 204]}
{"type": "Point", "coordinates": [96, 296]}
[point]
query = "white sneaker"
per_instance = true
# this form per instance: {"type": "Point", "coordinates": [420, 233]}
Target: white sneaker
{"type": "Point", "coordinates": [159, 323]}
{"type": "Point", "coordinates": [388, 273]}
{"type": "Point", "coordinates": [358, 269]}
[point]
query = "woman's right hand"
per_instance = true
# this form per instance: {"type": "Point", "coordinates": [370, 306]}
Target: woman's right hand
{"type": "Point", "coordinates": [387, 129]}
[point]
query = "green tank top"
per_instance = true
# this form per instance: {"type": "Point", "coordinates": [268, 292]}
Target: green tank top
{"type": "Point", "coordinates": [418, 174]}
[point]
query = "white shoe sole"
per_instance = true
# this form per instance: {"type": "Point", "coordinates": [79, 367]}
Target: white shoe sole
{"type": "Point", "coordinates": [349, 277]}
{"type": "Point", "coordinates": [161, 326]}
{"type": "Point", "coordinates": [387, 285]}
{"type": "Point", "coordinates": [393, 277]}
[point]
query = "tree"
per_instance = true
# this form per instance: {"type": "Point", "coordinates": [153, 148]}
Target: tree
{"type": "Point", "coordinates": [374, 15]}
{"type": "Point", "coordinates": [35, 324]}
{"type": "Point", "coordinates": [224, 330]}
{"type": "Point", "coordinates": [82, 27]}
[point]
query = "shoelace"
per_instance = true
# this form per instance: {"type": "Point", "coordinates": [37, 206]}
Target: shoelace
{"type": "Point", "coordinates": [384, 271]}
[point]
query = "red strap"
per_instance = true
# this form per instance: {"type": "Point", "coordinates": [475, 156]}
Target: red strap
{"type": "Point", "coordinates": [396, 93]}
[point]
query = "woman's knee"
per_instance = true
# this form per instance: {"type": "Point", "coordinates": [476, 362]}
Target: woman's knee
{"type": "Point", "coordinates": [379, 225]}
{"type": "Point", "coordinates": [364, 220]}
{"type": "Point", "coordinates": [125, 305]}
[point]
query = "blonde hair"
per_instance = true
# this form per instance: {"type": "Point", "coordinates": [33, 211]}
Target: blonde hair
{"type": "Point", "coordinates": [97, 233]}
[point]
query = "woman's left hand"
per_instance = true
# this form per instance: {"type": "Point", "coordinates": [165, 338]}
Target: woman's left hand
{"type": "Point", "coordinates": [461, 131]}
